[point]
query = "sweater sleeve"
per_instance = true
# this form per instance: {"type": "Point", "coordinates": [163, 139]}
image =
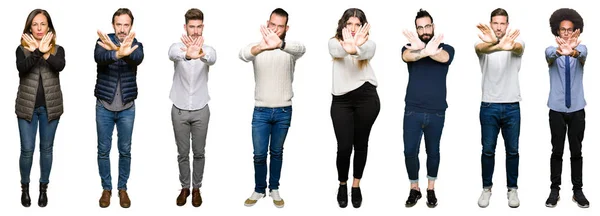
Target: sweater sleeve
{"type": "Point", "coordinates": [57, 61]}
{"type": "Point", "coordinates": [366, 51]}
{"type": "Point", "coordinates": [246, 55]}
{"type": "Point", "coordinates": [295, 49]}
{"type": "Point", "coordinates": [335, 49]}
{"type": "Point", "coordinates": [24, 64]}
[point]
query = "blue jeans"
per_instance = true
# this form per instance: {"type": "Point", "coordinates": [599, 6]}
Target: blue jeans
{"type": "Point", "coordinates": [415, 126]}
{"type": "Point", "coordinates": [105, 124]}
{"type": "Point", "coordinates": [27, 132]}
{"type": "Point", "coordinates": [496, 117]}
{"type": "Point", "coordinates": [269, 124]}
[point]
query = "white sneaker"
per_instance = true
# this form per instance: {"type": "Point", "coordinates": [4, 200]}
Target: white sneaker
{"type": "Point", "coordinates": [276, 198]}
{"type": "Point", "coordinates": [254, 198]}
{"type": "Point", "coordinates": [484, 199]}
{"type": "Point", "coordinates": [513, 198]}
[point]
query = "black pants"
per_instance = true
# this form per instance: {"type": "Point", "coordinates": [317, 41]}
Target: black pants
{"type": "Point", "coordinates": [573, 124]}
{"type": "Point", "coordinates": [353, 115]}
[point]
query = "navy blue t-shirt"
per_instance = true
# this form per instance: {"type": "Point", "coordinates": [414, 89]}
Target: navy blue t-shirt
{"type": "Point", "coordinates": [426, 90]}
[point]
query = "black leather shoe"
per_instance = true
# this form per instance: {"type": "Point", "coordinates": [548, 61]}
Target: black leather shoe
{"type": "Point", "coordinates": [342, 196]}
{"type": "Point", "coordinates": [356, 197]}
{"type": "Point", "coordinates": [25, 199]}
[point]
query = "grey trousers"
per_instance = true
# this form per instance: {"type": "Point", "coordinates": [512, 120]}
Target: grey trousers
{"type": "Point", "coordinates": [192, 123]}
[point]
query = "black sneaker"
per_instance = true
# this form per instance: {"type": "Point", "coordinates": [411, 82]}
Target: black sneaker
{"type": "Point", "coordinates": [342, 196]}
{"type": "Point", "coordinates": [413, 197]}
{"type": "Point", "coordinates": [553, 198]}
{"type": "Point", "coordinates": [431, 199]}
{"type": "Point", "coordinates": [580, 199]}
{"type": "Point", "coordinates": [356, 197]}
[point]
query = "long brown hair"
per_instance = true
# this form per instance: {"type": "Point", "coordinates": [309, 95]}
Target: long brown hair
{"type": "Point", "coordinates": [360, 15]}
{"type": "Point", "coordinates": [27, 28]}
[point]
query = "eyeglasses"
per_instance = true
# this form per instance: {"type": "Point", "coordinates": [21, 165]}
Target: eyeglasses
{"type": "Point", "coordinates": [563, 30]}
{"type": "Point", "coordinates": [427, 27]}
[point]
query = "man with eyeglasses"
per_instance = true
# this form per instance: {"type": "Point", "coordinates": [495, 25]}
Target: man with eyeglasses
{"type": "Point", "coordinates": [566, 101]}
{"type": "Point", "coordinates": [499, 53]}
{"type": "Point", "coordinates": [428, 61]}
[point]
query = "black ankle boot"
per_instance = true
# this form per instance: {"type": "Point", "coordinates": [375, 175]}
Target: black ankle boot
{"type": "Point", "coordinates": [342, 196]}
{"type": "Point", "coordinates": [43, 200]}
{"type": "Point", "coordinates": [25, 199]}
{"type": "Point", "coordinates": [356, 197]}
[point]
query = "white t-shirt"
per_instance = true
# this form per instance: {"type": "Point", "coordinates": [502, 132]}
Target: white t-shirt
{"type": "Point", "coordinates": [500, 76]}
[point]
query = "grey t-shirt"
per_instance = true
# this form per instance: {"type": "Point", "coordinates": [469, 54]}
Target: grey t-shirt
{"type": "Point", "coordinates": [117, 103]}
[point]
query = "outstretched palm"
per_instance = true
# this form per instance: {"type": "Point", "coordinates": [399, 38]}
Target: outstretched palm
{"type": "Point", "coordinates": [126, 49]}
{"type": "Point", "coordinates": [508, 41]}
{"type": "Point", "coordinates": [487, 34]}
{"type": "Point", "coordinates": [432, 48]}
{"type": "Point", "coordinates": [348, 42]}
{"type": "Point", "coordinates": [413, 39]}
{"type": "Point", "coordinates": [270, 39]}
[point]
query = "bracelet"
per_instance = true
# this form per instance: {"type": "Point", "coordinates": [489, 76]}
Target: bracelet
{"type": "Point", "coordinates": [574, 53]}
{"type": "Point", "coordinates": [497, 41]}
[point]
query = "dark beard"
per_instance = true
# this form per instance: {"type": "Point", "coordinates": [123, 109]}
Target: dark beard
{"type": "Point", "coordinates": [428, 39]}
{"type": "Point", "coordinates": [283, 36]}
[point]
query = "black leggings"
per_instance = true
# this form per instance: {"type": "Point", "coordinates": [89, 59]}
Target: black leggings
{"type": "Point", "coordinates": [353, 115]}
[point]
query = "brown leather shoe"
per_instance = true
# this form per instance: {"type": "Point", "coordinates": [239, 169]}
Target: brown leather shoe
{"type": "Point", "coordinates": [196, 198]}
{"type": "Point", "coordinates": [124, 199]}
{"type": "Point", "coordinates": [105, 198]}
{"type": "Point", "coordinates": [182, 198]}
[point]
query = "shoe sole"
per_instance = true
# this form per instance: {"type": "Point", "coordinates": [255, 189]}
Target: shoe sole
{"type": "Point", "coordinates": [432, 206]}
{"type": "Point", "coordinates": [581, 206]}
{"type": "Point", "coordinates": [483, 206]}
{"type": "Point", "coordinates": [410, 205]}
{"type": "Point", "coordinates": [249, 205]}
{"type": "Point", "coordinates": [552, 205]}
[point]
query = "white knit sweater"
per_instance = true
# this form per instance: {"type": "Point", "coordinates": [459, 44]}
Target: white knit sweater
{"type": "Point", "coordinates": [273, 73]}
{"type": "Point", "coordinates": [347, 76]}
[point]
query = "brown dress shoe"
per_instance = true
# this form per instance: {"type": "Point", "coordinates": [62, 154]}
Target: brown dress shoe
{"type": "Point", "coordinates": [105, 198]}
{"type": "Point", "coordinates": [196, 198]}
{"type": "Point", "coordinates": [124, 199]}
{"type": "Point", "coordinates": [182, 198]}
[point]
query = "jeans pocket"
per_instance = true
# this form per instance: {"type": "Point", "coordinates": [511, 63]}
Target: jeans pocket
{"type": "Point", "coordinates": [408, 113]}
{"type": "Point", "coordinates": [441, 115]}
{"type": "Point", "coordinates": [485, 104]}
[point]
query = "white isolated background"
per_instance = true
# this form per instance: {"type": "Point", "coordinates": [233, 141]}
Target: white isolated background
{"type": "Point", "coordinates": [309, 176]}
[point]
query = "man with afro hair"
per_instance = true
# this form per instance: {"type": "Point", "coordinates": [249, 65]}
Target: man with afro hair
{"type": "Point", "coordinates": [566, 100]}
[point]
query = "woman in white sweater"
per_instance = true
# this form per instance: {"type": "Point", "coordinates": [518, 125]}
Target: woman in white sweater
{"type": "Point", "coordinates": [355, 103]}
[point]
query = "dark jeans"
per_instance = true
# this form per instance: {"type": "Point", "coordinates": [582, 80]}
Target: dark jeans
{"type": "Point", "coordinates": [573, 125]}
{"type": "Point", "coordinates": [415, 126]}
{"type": "Point", "coordinates": [353, 114]}
{"type": "Point", "coordinates": [496, 117]}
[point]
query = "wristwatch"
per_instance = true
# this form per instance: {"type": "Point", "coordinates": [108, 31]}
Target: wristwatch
{"type": "Point", "coordinates": [282, 45]}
